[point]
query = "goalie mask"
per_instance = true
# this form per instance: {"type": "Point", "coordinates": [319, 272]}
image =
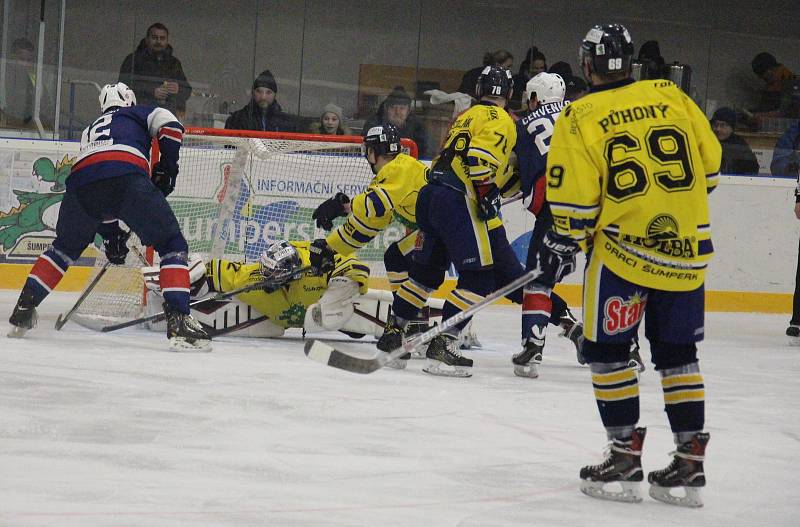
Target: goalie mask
{"type": "Point", "coordinates": [546, 87]}
{"type": "Point", "coordinates": [116, 96]}
{"type": "Point", "coordinates": [606, 49]}
{"type": "Point", "coordinates": [280, 262]}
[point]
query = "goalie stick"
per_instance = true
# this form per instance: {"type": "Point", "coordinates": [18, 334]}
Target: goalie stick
{"type": "Point", "coordinates": [219, 296]}
{"type": "Point", "coordinates": [320, 351]}
{"type": "Point", "coordinates": [63, 318]}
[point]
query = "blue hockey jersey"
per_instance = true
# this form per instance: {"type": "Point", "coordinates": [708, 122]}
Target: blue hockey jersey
{"type": "Point", "coordinates": [533, 142]}
{"type": "Point", "coordinates": [118, 143]}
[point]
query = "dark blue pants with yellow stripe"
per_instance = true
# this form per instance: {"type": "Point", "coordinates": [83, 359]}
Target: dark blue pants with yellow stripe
{"type": "Point", "coordinates": [613, 310]}
{"type": "Point", "coordinates": [451, 232]}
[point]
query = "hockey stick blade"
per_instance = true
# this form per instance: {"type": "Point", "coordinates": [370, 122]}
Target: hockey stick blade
{"type": "Point", "coordinates": [219, 296]}
{"type": "Point", "coordinates": [325, 353]}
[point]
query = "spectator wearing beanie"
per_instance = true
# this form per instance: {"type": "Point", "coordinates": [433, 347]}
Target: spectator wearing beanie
{"type": "Point", "coordinates": [262, 113]}
{"type": "Point", "coordinates": [330, 122]}
{"type": "Point", "coordinates": [737, 157]}
{"type": "Point", "coordinates": [396, 109]}
{"type": "Point", "coordinates": [768, 69]}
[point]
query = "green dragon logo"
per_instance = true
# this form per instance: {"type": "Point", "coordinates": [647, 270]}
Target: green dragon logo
{"type": "Point", "coordinates": [29, 215]}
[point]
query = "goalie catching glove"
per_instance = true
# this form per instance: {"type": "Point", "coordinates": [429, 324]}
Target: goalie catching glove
{"type": "Point", "coordinates": [555, 259]}
{"type": "Point", "coordinates": [330, 209]}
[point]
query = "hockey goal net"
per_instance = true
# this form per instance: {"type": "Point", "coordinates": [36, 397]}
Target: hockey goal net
{"type": "Point", "coordinates": [236, 193]}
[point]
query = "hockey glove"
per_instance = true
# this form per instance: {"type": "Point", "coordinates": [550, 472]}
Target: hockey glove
{"type": "Point", "coordinates": [488, 201]}
{"type": "Point", "coordinates": [555, 259]}
{"type": "Point", "coordinates": [115, 242]}
{"type": "Point", "coordinates": [330, 209]}
{"type": "Point", "coordinates": [164, 177]}
{"type": "Point", "coordinates": [321, 257]}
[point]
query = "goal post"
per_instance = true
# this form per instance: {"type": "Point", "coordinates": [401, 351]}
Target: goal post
{"type": "Point", "coordinates": [239, 191]}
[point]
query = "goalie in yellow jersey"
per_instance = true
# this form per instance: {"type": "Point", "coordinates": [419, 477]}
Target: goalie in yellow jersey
{"type": "Point", "coordinates": [308, 300]}
{"type": "Point", "coordinates": [628, 173]}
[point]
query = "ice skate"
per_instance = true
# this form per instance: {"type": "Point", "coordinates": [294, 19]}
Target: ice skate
{"type": "Point", "coordinates": [686, 470]}
{"type": "Point", "coordinates": [24, 316]}
{"type": "Point", "coordinates": [184, 332]}
{"type": "Point", "coordinates": [573, 330]}
{"type": "Point", "coordinates": [623, 465]}
{"type": "Point", "coordinates": [793, 331]}
{"type": "Point", "coordinates": [415, 327]}
{"type": "Point", "coordinates": [526, 361]}
{"type": "Point", "coordinates": [392, 339]}
{"type": "Point", "coordinates": [634, 359]}
{"type": "Point", "coordinates": [445, 359]}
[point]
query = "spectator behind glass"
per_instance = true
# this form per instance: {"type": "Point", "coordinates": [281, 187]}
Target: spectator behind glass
{"type": "Point", "coordinates": [17, 109]}
{"type": "Point", "coordinates": [737, 156]}
{"type": "Point", "coordinates": [396, 109]}
{"type": "Point", "coordinates": [330, 122]}
{"type": "Point", "coordinates": [766, 66]}
{"type": "Point", "coordinates": [262, 113]}
{"type": "Point", "coordinates": [786, 157]}
{"type": "Point", "coordinates": [534, 64]}
{"type": "Point", "coordinates": [154, 74]}
{"type": "Point", "coordinates": [501, 58]}
{"type": "Point", "coordinates": [651, 60]}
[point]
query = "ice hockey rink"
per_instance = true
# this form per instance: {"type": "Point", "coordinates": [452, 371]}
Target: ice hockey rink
{"type": "Point", "coordinates": [112, 430]}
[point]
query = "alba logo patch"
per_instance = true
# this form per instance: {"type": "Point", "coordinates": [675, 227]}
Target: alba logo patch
{"type": "Point", "coordinates": [621, 315]}
{"type": "Point", "coordinates": [662, 227]}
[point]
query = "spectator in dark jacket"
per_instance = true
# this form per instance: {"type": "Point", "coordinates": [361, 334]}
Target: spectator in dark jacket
{"type": "Point", "coordinates": [737, 156]}
{"type": "Point", "coordinates": [396, 109]}
{"type": "Point", "coordinates": [154, 74]}
{"type": "Point", "coordinates": [786, 156]}
{"type": "Point", "coordinates": [262, 113]}
{"type": "Point", "coordinates": [534, 64]}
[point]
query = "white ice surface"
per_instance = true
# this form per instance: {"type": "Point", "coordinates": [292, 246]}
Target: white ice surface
{"type": "Point", "coordinates": [112, 430]}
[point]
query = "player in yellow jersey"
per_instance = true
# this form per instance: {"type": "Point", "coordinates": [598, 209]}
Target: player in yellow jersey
{"type": "Point", "coordinates": [628, 173]}
{"type": "Point", "coordinates": [307, 300]}
{"type": "Point", "coordinates": [454, 212]}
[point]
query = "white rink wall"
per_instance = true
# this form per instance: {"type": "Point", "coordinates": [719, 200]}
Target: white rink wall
{"type": "Point", "coordinates": [754, 230]}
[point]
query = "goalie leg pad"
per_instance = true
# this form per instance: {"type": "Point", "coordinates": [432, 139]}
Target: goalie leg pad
{"type": "Point", "coordinates": [335, 307]}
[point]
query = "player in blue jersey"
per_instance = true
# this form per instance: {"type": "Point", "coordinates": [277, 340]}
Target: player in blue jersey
{"type": "Point", "coordinates": [111, 181]}
{"type": "Point", "coordinates": [540, 305]}
{"type": "Point", "coordinates": [544, 95]}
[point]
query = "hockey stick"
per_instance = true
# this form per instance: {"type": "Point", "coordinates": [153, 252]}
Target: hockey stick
{"type": "Point", "coordinates": [61, 321]}
{"type": "Point", "coordinates": [327, 354]}
{"type": "Point", "coordinates": [219, 296]}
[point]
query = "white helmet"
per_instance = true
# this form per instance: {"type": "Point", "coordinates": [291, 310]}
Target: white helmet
{"type": "Point", "coordinates": [547, 87]}
{"type": "Point", "coordinates": [116, 95]}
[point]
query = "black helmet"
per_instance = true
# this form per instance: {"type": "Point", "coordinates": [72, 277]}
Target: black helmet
{"type": "Point", "coordinates": [383, 139]}
{"type": "Point", "coordinates": [495, 81]}
{"type": "Point", "coordinates": [607, 49]}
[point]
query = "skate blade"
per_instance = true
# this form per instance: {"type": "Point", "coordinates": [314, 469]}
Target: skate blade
{"type": "Point", "coordinates": [692, 497]}
{"type": "Point", "coordinates": [180, 344]}
{"type": "Point", "coordinates": [435, 367]}
{"type": "Point", "coordinates": [527, 370]}
{"type": "Point", "coordinates": [16, 332]}
{"type": "Point", "coordinates": [596, 489]}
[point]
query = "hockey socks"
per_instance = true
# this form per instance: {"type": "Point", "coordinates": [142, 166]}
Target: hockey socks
{"type": "Point", "coordinates": [174, 280]}
{"type": "Point", "coordinates": [616, 389]}
{"type": "Point", "coordinates": [46, 274]}
{"type": "Point", "coordinates": [684, 400]}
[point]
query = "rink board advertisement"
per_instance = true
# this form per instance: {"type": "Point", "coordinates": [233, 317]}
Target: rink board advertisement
{"type": "Point", "coordinates": [754, 230]}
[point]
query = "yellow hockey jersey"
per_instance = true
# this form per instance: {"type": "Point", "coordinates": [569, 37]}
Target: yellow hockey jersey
{"type": "Point", "coordinates": [392, 193]}
{"type": "Point", "coordinates": [628, 176]}
{"type": "Point", "coordinates": [478, 147]}
{"type": "Point", "coordinates": [286, 306]}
